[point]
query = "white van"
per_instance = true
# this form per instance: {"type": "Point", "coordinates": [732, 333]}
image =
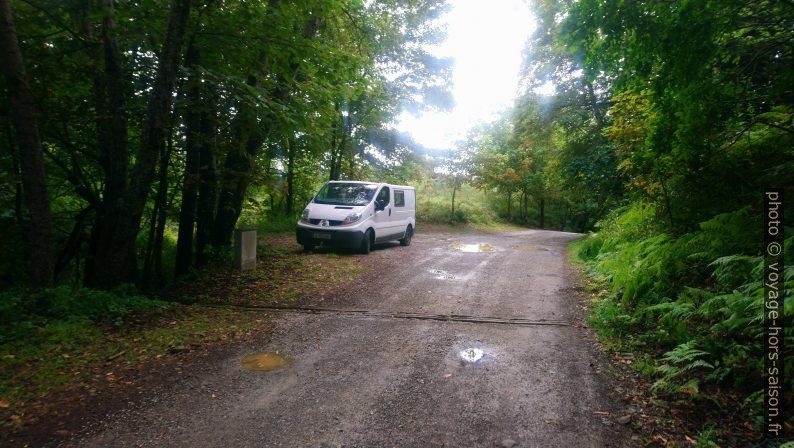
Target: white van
{"type": "Point", "coordinates": [358, 215]}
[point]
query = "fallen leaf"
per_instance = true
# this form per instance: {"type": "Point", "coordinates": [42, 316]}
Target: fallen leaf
{"type": "Point", "coordinates": [4, 404]}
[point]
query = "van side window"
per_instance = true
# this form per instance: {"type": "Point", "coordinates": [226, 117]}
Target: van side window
{"type": "Point", "coordinates": [383, 196]}
{"type": "Point", "coordinates": [399, 198]}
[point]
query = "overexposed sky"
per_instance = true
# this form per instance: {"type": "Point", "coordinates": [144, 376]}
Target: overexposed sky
{"type": "Point", "coordinates": [486, 39]}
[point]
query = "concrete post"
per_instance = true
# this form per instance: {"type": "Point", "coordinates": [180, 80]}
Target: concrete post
{"type": "Point", "coordinates": [245, 249]}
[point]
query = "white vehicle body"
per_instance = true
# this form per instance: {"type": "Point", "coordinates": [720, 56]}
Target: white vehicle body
{"type": "Point", "coordinates": [358, 214]}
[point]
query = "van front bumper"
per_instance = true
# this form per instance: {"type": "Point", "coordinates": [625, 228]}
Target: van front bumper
{"type": "Point", "coordinates": [329, 237]}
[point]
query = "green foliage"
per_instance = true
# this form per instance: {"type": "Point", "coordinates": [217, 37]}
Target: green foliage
{"type": "Point", "coordinates": [24, 313]}
{"type": "Point", "coordinates": [682, 361]}
{"type": "Point", "coordinates": [707, 438]}
{"type": "Point", "coordinates": [277, 96]}
{"type": "Point", "coordinates": [693, 301]}
{"type": "Point", "coordinates": [433, 204]}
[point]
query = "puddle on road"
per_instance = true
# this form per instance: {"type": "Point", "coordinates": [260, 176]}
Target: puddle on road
{"type": "Point", "coordinates": [471, 354]}
{"type": "Point", "coordinates": [441, 275]}
{"type": "Point", "coordinates": [530, 248]}
{"type": "Point", "coordinates": [265, 362]}
{"type": "Point", "coordinates": [481, 247]}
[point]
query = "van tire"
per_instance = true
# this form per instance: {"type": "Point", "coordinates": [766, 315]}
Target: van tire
{"type": "Point", "coordinates": [366, 242]}
{"type": "Point", "coordinates": [409, 233]}
{"type": "Point", "coordinates": [308, 247]}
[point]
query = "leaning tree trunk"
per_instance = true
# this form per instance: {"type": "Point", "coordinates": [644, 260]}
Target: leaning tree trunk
{"type": "Point", "coordinates": [41, 264]}
{"type": "Point", "coordinates": [115, 263]}
{"type": "Point", "coordinates": [237, 172]}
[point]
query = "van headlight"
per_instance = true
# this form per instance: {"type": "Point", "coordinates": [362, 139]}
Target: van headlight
{"type": "Point", "coordinates": [351, 218]}
{"type": "Point", "coordinates": [305, 215]}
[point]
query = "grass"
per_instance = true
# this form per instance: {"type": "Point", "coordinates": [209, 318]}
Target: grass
{"type": "Point", "coordinates": [283, 274]}
{"type": "Point", "coordinates": [65, 341]}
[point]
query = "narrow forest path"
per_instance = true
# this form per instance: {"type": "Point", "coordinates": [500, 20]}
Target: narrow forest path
{"type": "Point", "coordinates": [371, 379]}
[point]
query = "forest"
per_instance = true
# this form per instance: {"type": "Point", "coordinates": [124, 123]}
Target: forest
{"type": "Point", "coordinates": [136, 136]}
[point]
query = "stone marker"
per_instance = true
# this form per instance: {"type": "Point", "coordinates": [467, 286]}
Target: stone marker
{"type": "Point", "coordinates": [245, 249]}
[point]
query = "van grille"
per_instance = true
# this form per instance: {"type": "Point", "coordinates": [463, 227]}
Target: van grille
{"type": "Point", "coordinates": [331, 222]}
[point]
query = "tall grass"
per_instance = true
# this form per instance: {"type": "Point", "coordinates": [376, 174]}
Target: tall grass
{"type": "Point", "coordinates": [694, 301]}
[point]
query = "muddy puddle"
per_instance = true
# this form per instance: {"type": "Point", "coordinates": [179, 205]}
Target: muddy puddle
{"type": "Point", "coordinates": [265, 362]}
{"type": "Point", "coordinates": [480, 247]}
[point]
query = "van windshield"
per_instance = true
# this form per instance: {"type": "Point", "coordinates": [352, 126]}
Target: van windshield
{"type": "Point", "coordinates": [346, 194]}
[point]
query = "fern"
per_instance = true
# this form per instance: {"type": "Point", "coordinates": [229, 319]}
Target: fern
{"type": "Point", "coordinates": [680, 362]}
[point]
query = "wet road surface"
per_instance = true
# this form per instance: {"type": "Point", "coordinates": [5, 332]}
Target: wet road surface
{"type": "Point", "coordinates": [371, 380]}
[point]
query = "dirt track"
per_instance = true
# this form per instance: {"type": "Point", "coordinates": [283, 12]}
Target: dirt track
{"type": "Point", "coordinates": [373, 380]}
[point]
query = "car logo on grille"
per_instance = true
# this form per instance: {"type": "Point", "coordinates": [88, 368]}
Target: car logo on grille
{"type": "Point", "coordinates": [324, 223]}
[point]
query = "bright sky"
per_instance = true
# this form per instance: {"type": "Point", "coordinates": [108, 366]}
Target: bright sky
{"type": "Point", "coordinates": [486, 40]}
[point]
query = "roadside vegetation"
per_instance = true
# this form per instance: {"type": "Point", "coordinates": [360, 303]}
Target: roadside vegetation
{"type": "Point", "coordinates": [689, 306]}
{"type": "Point", "coordinates": [60, 343]}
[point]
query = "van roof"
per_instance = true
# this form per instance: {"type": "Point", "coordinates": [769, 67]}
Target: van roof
{"type": "Point", "coordinates": [369, 183]}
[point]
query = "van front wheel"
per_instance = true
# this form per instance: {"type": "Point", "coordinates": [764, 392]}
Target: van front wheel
{"type": "Point", "coordinates": [409, 233]}
{"type": "Point", "coordinates": [366, 242]}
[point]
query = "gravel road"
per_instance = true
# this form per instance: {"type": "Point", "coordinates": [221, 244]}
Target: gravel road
{"type": "Point", "coordinates": [371, 380]}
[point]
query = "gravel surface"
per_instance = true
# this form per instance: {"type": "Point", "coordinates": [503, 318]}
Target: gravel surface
{"type": "Point", "coordinates": [361, 381]}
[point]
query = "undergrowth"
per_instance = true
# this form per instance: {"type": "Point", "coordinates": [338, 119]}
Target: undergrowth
{"type": "Point", "coordinates": [692, 303]}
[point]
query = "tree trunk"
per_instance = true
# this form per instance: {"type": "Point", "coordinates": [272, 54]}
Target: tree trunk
{"type": "Point", "coordinates": [153, 277]}
{"type": "Point", "coordinates": [237, 171]}
{"type": "Point", "coordinates": [74, 242]}
{"type": "Point", "coordinates": [599, 116]}
{"type": "Point", "coordinates": [162, 198]}
{"type": "Point", "coordinates": [111, 122]}
{"type": "Point", "coordinates": [454, 188]}
{"type": "Point", "coordinates": [16, 175]}
{"type": "Point", "coordinates": [509, 205]}
{"type": "Point", "coordinates": [241, 161]}
{"type": "Point", "coordinates": [542, 204]}
{"type": "Point", "coordinates": [334, 172]}
{"type": "Point", "coordinates": [208, 187]}
{"type": "Point", "coordinates": [291, 149]}
{"type": "Point", "coordinates": [115, 263]}
{"type": "Point", "coordinates": [190, 186]}
{"type": "Point", "coordinates": [41, 264]}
